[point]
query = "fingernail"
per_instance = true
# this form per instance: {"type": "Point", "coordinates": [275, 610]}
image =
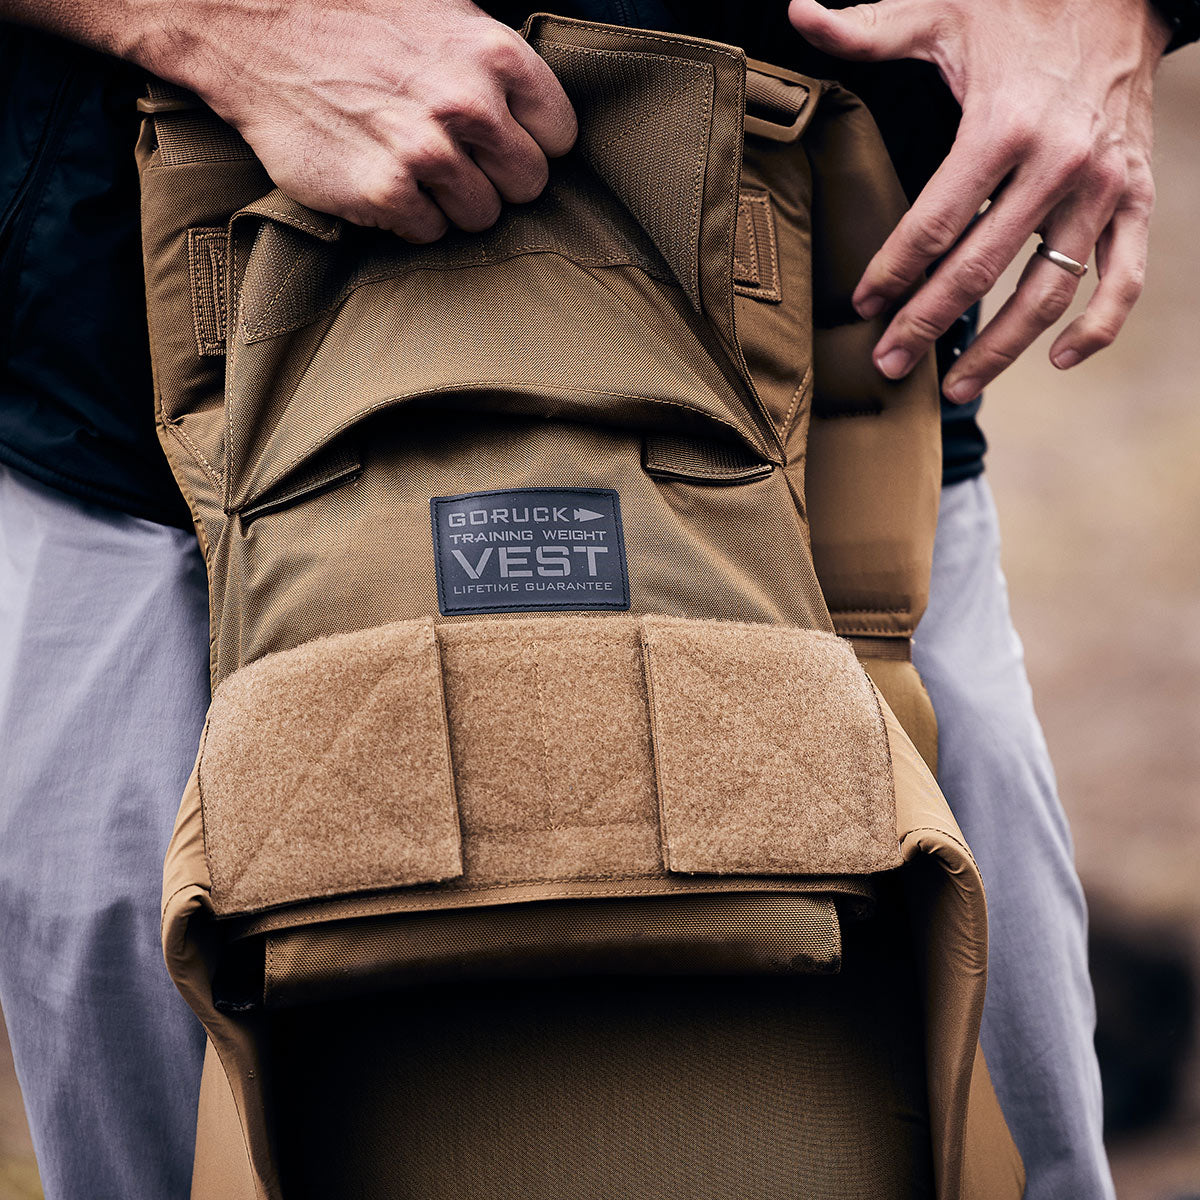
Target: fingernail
{"type": "Point", "coordinates": [894, 363]}
{"type": "Point", "coordinates": [962, 390]}
{"type": "Point", "coordinates": [870, 307]}
{"type": "Point", "coordinates": [1066, 359]}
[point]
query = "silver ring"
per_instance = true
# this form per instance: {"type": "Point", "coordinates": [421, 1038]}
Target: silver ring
{"type": "Point", "coordinates": [1062, 260]}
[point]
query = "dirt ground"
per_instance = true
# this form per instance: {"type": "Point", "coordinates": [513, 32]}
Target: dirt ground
{"type": "Point", "coordinates": [1097, 476]}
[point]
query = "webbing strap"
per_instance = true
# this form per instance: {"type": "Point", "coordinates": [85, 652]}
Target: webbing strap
{"type": "Point", "coordinates": [755, 251]}
{"type": "Point", "coordinates": [893, 648]}
{"type": "Point", "coordinates": [187, 130]}
{"type": "Point", "coordinates": [701, 459]}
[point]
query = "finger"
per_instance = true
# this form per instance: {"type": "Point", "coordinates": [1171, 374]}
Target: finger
{"type": "Point", "coordinates": [1121, 264]}
{"type": "Point", "coordinates": [459, 188]}
{"type": "Point", "coordinates": [537, 101]}
{"type": "Point", "coordinates": [1043, 294]}
{"type": "Point", "coordinates": [503, 149]}
{"type": "Point", "coordinates": [512, 160]}
{"type": "Point", "coordinates": [889, 29]}
{"type": "Point", "coordinates": [977, 164]}
{"type": "Point", "coordinates": [407, 212]}
{"type": "Point", "coordinates": [967, 274]}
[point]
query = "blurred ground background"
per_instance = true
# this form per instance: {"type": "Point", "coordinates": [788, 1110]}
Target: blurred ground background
{"type": "Point", "coordinates": [1097, 476]}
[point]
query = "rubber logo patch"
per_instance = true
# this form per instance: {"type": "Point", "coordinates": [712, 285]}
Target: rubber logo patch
{"type": "Point", "coordinates": [530, 549]}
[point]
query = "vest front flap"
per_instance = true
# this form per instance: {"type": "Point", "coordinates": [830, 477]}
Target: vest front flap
{"type": "Point", "coordinates": [608, 299]}
{"type": "Point", "coordinates": [661, 123]}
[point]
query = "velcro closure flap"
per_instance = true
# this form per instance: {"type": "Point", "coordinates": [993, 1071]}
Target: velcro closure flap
{"type": "Point", "coordinates": [547, 752]}
{"type": "Point", "coordinates": [771, 751]}
{"type": "Point", "coordinates": [328, 773]}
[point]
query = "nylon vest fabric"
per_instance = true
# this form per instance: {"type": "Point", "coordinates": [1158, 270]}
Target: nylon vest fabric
{"type": "Point", "coordinates": [429, 699]}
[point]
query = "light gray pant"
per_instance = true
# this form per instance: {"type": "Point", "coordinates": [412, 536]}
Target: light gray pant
{"type": "Point", "coordinates": [103, 689]}
{"type": "Point", "coordinates": [993, 766]}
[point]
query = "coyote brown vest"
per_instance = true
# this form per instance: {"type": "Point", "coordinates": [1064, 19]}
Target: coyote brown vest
{"type": "Point", "coordinates": [546, 840]}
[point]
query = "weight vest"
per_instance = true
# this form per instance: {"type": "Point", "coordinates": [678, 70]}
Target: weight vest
{"type": "Point", "coordinates": [547, 837]}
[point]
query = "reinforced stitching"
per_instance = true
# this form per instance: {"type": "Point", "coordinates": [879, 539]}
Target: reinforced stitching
{"type": "Point", "coordinates": [206, 273]}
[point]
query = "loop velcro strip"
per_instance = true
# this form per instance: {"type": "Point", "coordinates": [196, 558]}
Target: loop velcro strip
{"type": "Point", "coordinates": [568, 749]}
{"type": "Point", "coordinates": [326, 770]}
{"type": "Point", "coordinates": [771, 751]}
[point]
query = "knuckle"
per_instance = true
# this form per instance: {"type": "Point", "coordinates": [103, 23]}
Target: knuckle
{"type": "Point", "coordinates": [1018, 136]}
{"type": "Point", "coordinates": [1073, 159]}
{"type": "Point", "coordinates": [923, 327]}
{"type": "Point", "coordinates": [1050, 301]}
{"type": "Point", "coordinates": [1140, 194]}
{"type": "Point", "coordinates": [464, 110]}
{"type": "Point", "coordinates": [855, 35]}
{"type": "Point", "coordinates": [474, 116]}
{"type": "Point", "coordinates": [567, 127]}
{"type": "Point", "coordinates": [481, 215]}
{"type": "Point", "coordinates": [1101, 333]}
{"type": "Point", "coordinates": [987, 360]}
{"type": "Point", "coordinates": [1130, 288]}
{"type": "Point", "coordinates": [499, 47]}
{"type": "Point", "coordinates": [976, 275]}
{"type": "Point", "coordinates": [868, 15]}
{"type": "Point", "coordinates": [384, 198]}
{"type": "Point", "coordinates": [530, 184]}
{"type": "Point", "coordinates": [432, 157]}
{"type": "Point", "coordinates": [360, 214]}
{"type": "Point", "coordinates": [420, 228]}
{"type": "Point", "coordinates": [998, 358]}
{"type": "Point", "coordinates": [934, 235]}
{"type": "Point", "coordinates": [1110, 178]}
{"type": "Point", "coordinates": [421, 236]}
{"type": "Point", "coordinates": [890, 278]}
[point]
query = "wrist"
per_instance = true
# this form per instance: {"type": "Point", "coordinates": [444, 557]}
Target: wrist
{"type": "Point", "coordinates": [184, 43]}
{"type": "Point", "coordinates": [167, 48]}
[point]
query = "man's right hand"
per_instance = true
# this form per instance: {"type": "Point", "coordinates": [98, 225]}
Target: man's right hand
{"type": "Point", "coordinates": [402, 114]}
{"type": "Point", "coordinates": [409, 115]}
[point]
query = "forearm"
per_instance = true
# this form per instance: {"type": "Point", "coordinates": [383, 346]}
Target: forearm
{"type": "Point", "coordinates": [139, 31]}
{"type": "Point", "coordinates": [403, 114]}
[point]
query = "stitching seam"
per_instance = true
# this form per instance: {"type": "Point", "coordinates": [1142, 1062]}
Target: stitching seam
{"type": "Point", "coordinates": [178, 431]}
{"type": "Point", "coordinates": [800, 388]}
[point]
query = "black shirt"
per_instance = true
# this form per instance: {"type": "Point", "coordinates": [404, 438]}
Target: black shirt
{"type": "Point", "coordinates": [76, 403]}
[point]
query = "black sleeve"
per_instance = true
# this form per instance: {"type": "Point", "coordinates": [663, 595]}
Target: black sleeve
{"type": "Point", "coordinates": [1183, 16]}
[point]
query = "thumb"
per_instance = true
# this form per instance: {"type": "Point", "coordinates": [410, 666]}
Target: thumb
{"type": "Point", "coordinates": [884, 30]}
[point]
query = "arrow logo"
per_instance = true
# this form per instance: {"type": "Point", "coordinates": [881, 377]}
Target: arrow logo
{"type": "Point", "coordinates": [586, 514]}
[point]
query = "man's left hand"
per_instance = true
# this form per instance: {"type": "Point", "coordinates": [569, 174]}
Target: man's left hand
{"type": "Point", "coordinates": [1056, 131]}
